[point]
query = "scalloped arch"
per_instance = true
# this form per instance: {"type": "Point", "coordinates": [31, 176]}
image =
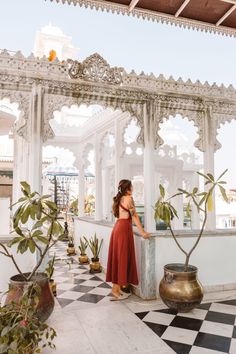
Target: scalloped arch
{"type": "Point", "coordinates": [22, 99]}
{"type": "Point", "coordinates": [56, 102]}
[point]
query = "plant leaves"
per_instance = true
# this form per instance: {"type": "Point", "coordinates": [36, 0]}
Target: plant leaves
{"type": "Point", "coordinates": [162, 191]}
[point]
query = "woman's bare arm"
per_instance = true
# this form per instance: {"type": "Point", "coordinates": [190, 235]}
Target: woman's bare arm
{"type": "Point", "coordinates": [135, 217]}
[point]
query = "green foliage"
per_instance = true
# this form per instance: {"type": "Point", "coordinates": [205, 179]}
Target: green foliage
{"type": "Point", "coordinates": [203, 201]}
{"type": "Point", "coordinates": [20, 331]}
{"type": "Point", "coordinates": [83, 246]}
{"type": "Point", "coordinates": [74, 206]}
{"type": "Point", "coordinates": [95, 246]}
{"type": "Point", "coordinates": [35, 225]}
{"type": "Point", "coordinates": [50, 267]}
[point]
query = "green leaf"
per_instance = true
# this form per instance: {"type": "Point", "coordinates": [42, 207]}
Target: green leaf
{"type": "Point", "coordinates": [222, 174]}
{"type": "Point", "coordinates": [37, 233]}
{"type": "Point", "coordinates": [31, 246]}
{"type": "Point", "coordinates": [162, 191]}
{"type": "Point", "coordinates": [25, 215]}
{"type": "Point", "coordinates": [211, 177]}
{"type": "Point", "coordinates": [43, 239]}
{"type": "Point", "coordinates": [223, 193]}
{"type": "Point", "coordinates": [14, 241]}
{"type": "Point", "coordinates": [50, 204]}
{"type": "Point", "coordinates": [195, 190]}
{"type": "Point", "coordinates": [25, 187]}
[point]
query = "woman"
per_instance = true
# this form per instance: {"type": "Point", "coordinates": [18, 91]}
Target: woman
{"type": "Point", "coordinates": [121, 265]}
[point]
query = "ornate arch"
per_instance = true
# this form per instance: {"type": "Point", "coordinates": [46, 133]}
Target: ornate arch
{"type": "Point", "coordinates": [23, 100]}
{"type": "Point", "coordinates": [190, 109]}
{"type": "Point", "coordinates": [54, 102]}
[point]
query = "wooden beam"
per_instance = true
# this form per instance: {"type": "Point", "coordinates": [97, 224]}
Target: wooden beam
{"type": "Point", "coordinates": [132, 4]}
{"type": "Point", "coordinates": [185, 3]}
{"type": "Point", "coordinates": [226, 14]}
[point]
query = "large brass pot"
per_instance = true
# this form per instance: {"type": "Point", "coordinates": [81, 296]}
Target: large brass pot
{"type": "Point", "coordinates": [180, 290]}
{"type": "Point", "coordinates": [46, 299]}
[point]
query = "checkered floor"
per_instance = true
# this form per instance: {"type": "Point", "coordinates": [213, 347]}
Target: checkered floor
{"type": "Point", "coordinates": [208, 329]}
{"type": "Point", "coordinates": [74, 281]}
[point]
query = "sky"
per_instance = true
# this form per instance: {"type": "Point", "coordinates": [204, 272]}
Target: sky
{"type": "Point", "coordinates": [130, 43]}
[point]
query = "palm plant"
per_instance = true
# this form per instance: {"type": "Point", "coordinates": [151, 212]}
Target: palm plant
{"type": "Point", "coordinates": [95, 246]}
{"type": "Point", "coordinates": [165, 211]}
{"type": "Point", "coordinates": [83, 246]}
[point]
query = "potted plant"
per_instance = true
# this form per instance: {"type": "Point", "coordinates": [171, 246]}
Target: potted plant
{"type": "Point", "coordinates": [37, 230]}
{"type": "Point", "coordinates": [71, 245]}
{"type": "Point", "coordinates": [95, 247]}
{"type": "Point", "coordinates": [83, 258]}
{"type": "Point", "coordinates": [49, 271]}
{"type": "Point", "coordinates": [180, 288]}
{"type": "Point", "coordinates": [21, 331]}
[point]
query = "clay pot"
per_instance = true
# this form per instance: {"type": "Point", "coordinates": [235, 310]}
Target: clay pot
{"type": "Point", "coordinates": [46, 299]}
{"type": "Point", "coordinates": [83, 259]}
{"type": "Point", "coordinates": [95, 266]}
{"type": "Point", "coordinates": [180, 290]}
{"type": "Point", "coordinates": [71, 250]}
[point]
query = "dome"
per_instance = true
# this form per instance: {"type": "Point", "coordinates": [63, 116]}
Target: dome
{"type": "Point", "coordinates": [53, 30]}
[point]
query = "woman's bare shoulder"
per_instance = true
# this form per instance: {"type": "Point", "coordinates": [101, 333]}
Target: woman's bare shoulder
{"type": "Point", "coordinates": [127, 200]}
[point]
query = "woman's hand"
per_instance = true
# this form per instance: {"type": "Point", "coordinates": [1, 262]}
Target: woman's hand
{"type": "Point", "coordinates": [145, 234]}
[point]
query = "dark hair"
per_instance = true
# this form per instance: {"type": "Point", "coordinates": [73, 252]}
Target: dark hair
{"type": "Point", "coordinates": [124, 186]}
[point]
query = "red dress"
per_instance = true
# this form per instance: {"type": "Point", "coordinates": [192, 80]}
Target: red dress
{"type": "Point", "coordinates": [121, 265]}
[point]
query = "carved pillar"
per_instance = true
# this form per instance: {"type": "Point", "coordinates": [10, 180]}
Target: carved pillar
{"type": "Point", "coordinates": [149, 170]}
{"type": "Point", "coordinates": [20, 164]}
{"type": "Point", "coordinates": [98, 178]}
{"type": "Point", "coordinates": [81, 187]}
{"type": "Point", "coordinates": [148, 285]}
{"type": "Point", "coordinates": [35, 138]}
{"type": "Point", "coordinates": [209, 156]}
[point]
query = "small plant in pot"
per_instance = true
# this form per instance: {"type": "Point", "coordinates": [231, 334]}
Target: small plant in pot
{"type": "Point", "coordinates": [37, 230]}
{"type": "Point", "coordinates": [180, 288]}
{"type": "Point", "coordinates": [49, 271]}
{"type": "Point", "coordinates": [95, 246]}
{"type": "Point", "coordinates": [71, 246]}
{"type": "Point", "coordinates": [21, 331]}
{"type": "Point", "coordinates": [83, 258]}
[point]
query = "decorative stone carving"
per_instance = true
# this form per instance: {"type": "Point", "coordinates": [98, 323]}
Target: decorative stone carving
{"type": "Point", "coordinates": [95, 68]}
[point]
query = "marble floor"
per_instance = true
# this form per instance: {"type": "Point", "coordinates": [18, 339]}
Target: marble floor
{"type": "Point", "coordinates": [88, 322]}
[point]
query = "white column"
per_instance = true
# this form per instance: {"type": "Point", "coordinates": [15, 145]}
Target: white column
{"type": "Point", "coordinates": [20, 165]}
{"type": "Point", "coordinates": [118, 147]}
{"type": "Point", "coordinates": [35, 139]}
{"type": "Point", "coordinates": [98, 179]}
{"type": "Point", "coordinates": [148, 173]}
{"type": "Point", "coordinates": [81, 187]}
{"type": "Point", "coordinates": [209, 165]}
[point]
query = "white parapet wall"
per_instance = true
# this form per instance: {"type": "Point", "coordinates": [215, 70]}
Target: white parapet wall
{"type": "Point", "coordinates": [214, 256]}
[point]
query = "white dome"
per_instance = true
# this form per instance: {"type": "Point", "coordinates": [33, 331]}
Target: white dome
{"type": "Point", "coordinates": [49, 29]}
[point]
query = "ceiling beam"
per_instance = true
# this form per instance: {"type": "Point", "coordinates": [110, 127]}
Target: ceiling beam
{"type": "Point", "coordinates": [227, 13]}
{"type": "Point", "coordinates": [185, 3]}
{"type": "Point", "coordinates": [132, 4]}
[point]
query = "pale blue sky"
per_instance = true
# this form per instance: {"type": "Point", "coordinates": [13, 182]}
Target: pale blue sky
{"type": "Point", "coordinates": [122, 40]}
{"type": "Point", "coordinates": [131, 43]}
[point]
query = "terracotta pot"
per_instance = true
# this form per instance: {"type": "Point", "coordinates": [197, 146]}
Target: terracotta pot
{"type": "Point", "coordinates": [71, 250]}
{"type": "Point", "coordinates": [83, 259]}
{"type": "Point", "coordinates": [180, 290]}
{"type": "Point", "coordinates": [53, 287]}
{"type": "Point", "coordinates": [95, 266]}
{"type": "Point", "coordinates": [46, 299]}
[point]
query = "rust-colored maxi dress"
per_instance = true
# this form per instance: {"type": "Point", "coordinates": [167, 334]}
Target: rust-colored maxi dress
{"type": "Point", "coordinates": [121, 265]}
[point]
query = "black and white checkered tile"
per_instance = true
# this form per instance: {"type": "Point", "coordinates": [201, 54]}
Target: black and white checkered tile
{"type": "Point", "coordinates": [74, 282]}
{"type": "Point", "coordinates": [208, 329]}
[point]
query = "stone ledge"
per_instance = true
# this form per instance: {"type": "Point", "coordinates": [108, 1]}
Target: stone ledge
{"type": "Point", "coordinates": [166, 233]}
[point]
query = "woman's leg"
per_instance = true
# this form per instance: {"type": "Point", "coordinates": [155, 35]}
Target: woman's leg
{"type": "Point", "coordinates": [116, 290]}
